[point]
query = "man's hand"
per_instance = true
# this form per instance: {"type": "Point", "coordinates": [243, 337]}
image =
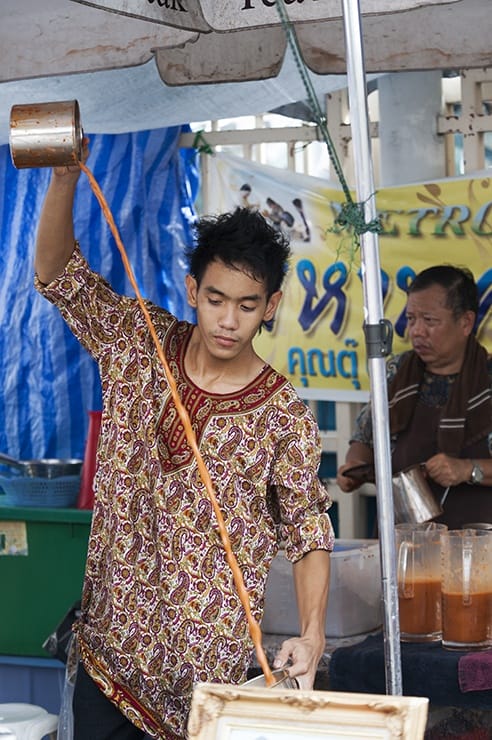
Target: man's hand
{"type": "Point", "coordinates": [73, 169]}
{"type": "Point", "coordinates": [345, 482]}
{"type": "Point", "coordinates": [357, 454]}
{"type": "Point", "coordinates": [301, 655]}
{"type": "Point", "coordinates": [448, 471]}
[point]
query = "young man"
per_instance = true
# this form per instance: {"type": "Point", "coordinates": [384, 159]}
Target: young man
{"type": "Point", "coordinates": [160, 610]}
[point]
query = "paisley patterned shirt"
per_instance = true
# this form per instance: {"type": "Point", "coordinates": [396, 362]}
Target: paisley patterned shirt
{"type": "Point", "coordinates": [159, 609]}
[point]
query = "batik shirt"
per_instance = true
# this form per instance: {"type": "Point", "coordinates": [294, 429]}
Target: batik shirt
{"type": "Point", "coordinates": [159, 609]}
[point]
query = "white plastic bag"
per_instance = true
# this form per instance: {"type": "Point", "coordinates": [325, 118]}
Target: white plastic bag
{"type": "Point", "coordinates": [65, 719]}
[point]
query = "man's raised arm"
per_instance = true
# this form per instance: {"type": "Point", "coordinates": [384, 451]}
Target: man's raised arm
{"type": "Point", "coordinates": [55, 236]}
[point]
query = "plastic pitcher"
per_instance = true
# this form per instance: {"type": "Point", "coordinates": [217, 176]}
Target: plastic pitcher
{"type": "Point", "coordinates": [467, 589]}
{"type": "Point", "coordinates": [418, 548]}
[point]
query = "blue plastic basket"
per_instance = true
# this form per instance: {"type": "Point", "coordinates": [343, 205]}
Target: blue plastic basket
{"type": "Point", "coordinates": [61, 492]}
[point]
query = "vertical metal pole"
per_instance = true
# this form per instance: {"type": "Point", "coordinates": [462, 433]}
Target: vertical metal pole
{"type": "Point", "coordinates": [373, 314]}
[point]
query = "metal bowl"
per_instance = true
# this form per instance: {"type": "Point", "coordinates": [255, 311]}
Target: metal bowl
{"type": "Point", "coordinates": [44, 468]}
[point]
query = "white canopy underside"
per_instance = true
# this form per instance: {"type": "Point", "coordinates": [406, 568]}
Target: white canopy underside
{"type": "Point", "coordinates": [115, 65]}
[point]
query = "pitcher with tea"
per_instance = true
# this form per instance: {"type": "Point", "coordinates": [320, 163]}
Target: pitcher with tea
{"type": "Point", "coordinates": [418, 548]}
{"type": "Point", "coordinates": [467, 589]}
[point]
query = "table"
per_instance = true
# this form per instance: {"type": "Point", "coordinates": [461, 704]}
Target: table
{"type": "Point", "coordinates": [356, 664]}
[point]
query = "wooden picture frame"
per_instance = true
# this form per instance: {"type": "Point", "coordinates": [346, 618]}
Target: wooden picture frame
{"type": "Point", "coordinates": [227, 712]}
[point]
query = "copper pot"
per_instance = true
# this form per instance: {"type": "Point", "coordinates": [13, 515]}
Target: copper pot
{"type": "Point", "coordinates": [46, 134]}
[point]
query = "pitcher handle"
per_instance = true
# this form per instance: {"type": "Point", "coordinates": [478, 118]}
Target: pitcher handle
{"type": "Point", "coordinates": [466, 555]}
{"type": "Point", "coordinates": [405, 587]}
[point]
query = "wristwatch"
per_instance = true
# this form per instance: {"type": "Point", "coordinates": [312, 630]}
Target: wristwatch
{"type": "Point", "coordinates": [476, 476]}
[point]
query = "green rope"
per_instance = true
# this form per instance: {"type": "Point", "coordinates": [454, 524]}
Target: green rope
{"type": "Point", "coordinates": [318, 115]}
{"type": "Point", "coordinates": [352, 219]}
{"type": "Point", "coordinates": [200, 143]}
{"type": "Point", "coordinates": [351, 216]}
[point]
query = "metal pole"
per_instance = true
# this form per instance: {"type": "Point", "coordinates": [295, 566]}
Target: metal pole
{"type": "Point", "coordinates": [373, 315]}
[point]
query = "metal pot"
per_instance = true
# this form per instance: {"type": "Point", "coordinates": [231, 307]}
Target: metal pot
{"type": "Point", "coordinates": [46, 134]}
{"type": "Point", "coordinates": [282, 681]}
{"type": "Point", "coordinates": [46, 468]}
{"type": "Point", "coordinates": [414, 502]}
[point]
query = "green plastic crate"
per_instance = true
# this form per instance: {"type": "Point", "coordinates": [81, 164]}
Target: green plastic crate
{"type": "Point", "coordinates": [40, 583]}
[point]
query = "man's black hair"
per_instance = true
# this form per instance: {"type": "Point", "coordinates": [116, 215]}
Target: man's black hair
{"type": "Point", "coordinates": [458, 282]}
{"type": "Point", "coordinates": [242, 239]}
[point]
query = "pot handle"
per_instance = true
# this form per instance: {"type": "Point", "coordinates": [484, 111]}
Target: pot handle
{"type": "Point", "coordinates": [7, 460]}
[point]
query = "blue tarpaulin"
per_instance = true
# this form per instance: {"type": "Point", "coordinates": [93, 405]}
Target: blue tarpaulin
{"type": "Point", "coordinates": [48, 382]}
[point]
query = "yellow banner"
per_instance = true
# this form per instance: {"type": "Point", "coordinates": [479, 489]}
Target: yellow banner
{"type": "Point", "coordinates": [317, 340]}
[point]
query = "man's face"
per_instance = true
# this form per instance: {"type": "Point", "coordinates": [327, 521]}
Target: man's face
{"type": "Point", "coordinates": [436, 335]}
{"type": "Point", "coordinates": [230, 307]}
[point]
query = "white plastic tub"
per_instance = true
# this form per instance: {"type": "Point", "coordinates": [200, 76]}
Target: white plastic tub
{"type": "Point", "coordinates": [355, 596]}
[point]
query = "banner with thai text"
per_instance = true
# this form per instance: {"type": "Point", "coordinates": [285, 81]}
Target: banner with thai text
{"type": "Point", "coordinates": [317, 339]}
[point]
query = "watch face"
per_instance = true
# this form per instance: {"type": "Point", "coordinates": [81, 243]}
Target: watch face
{"type": "Point", "coordinates": [477, 474]}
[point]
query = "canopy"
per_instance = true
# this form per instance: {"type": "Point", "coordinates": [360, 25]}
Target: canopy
{"type": "Point", "coordinates": [131, 74]}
